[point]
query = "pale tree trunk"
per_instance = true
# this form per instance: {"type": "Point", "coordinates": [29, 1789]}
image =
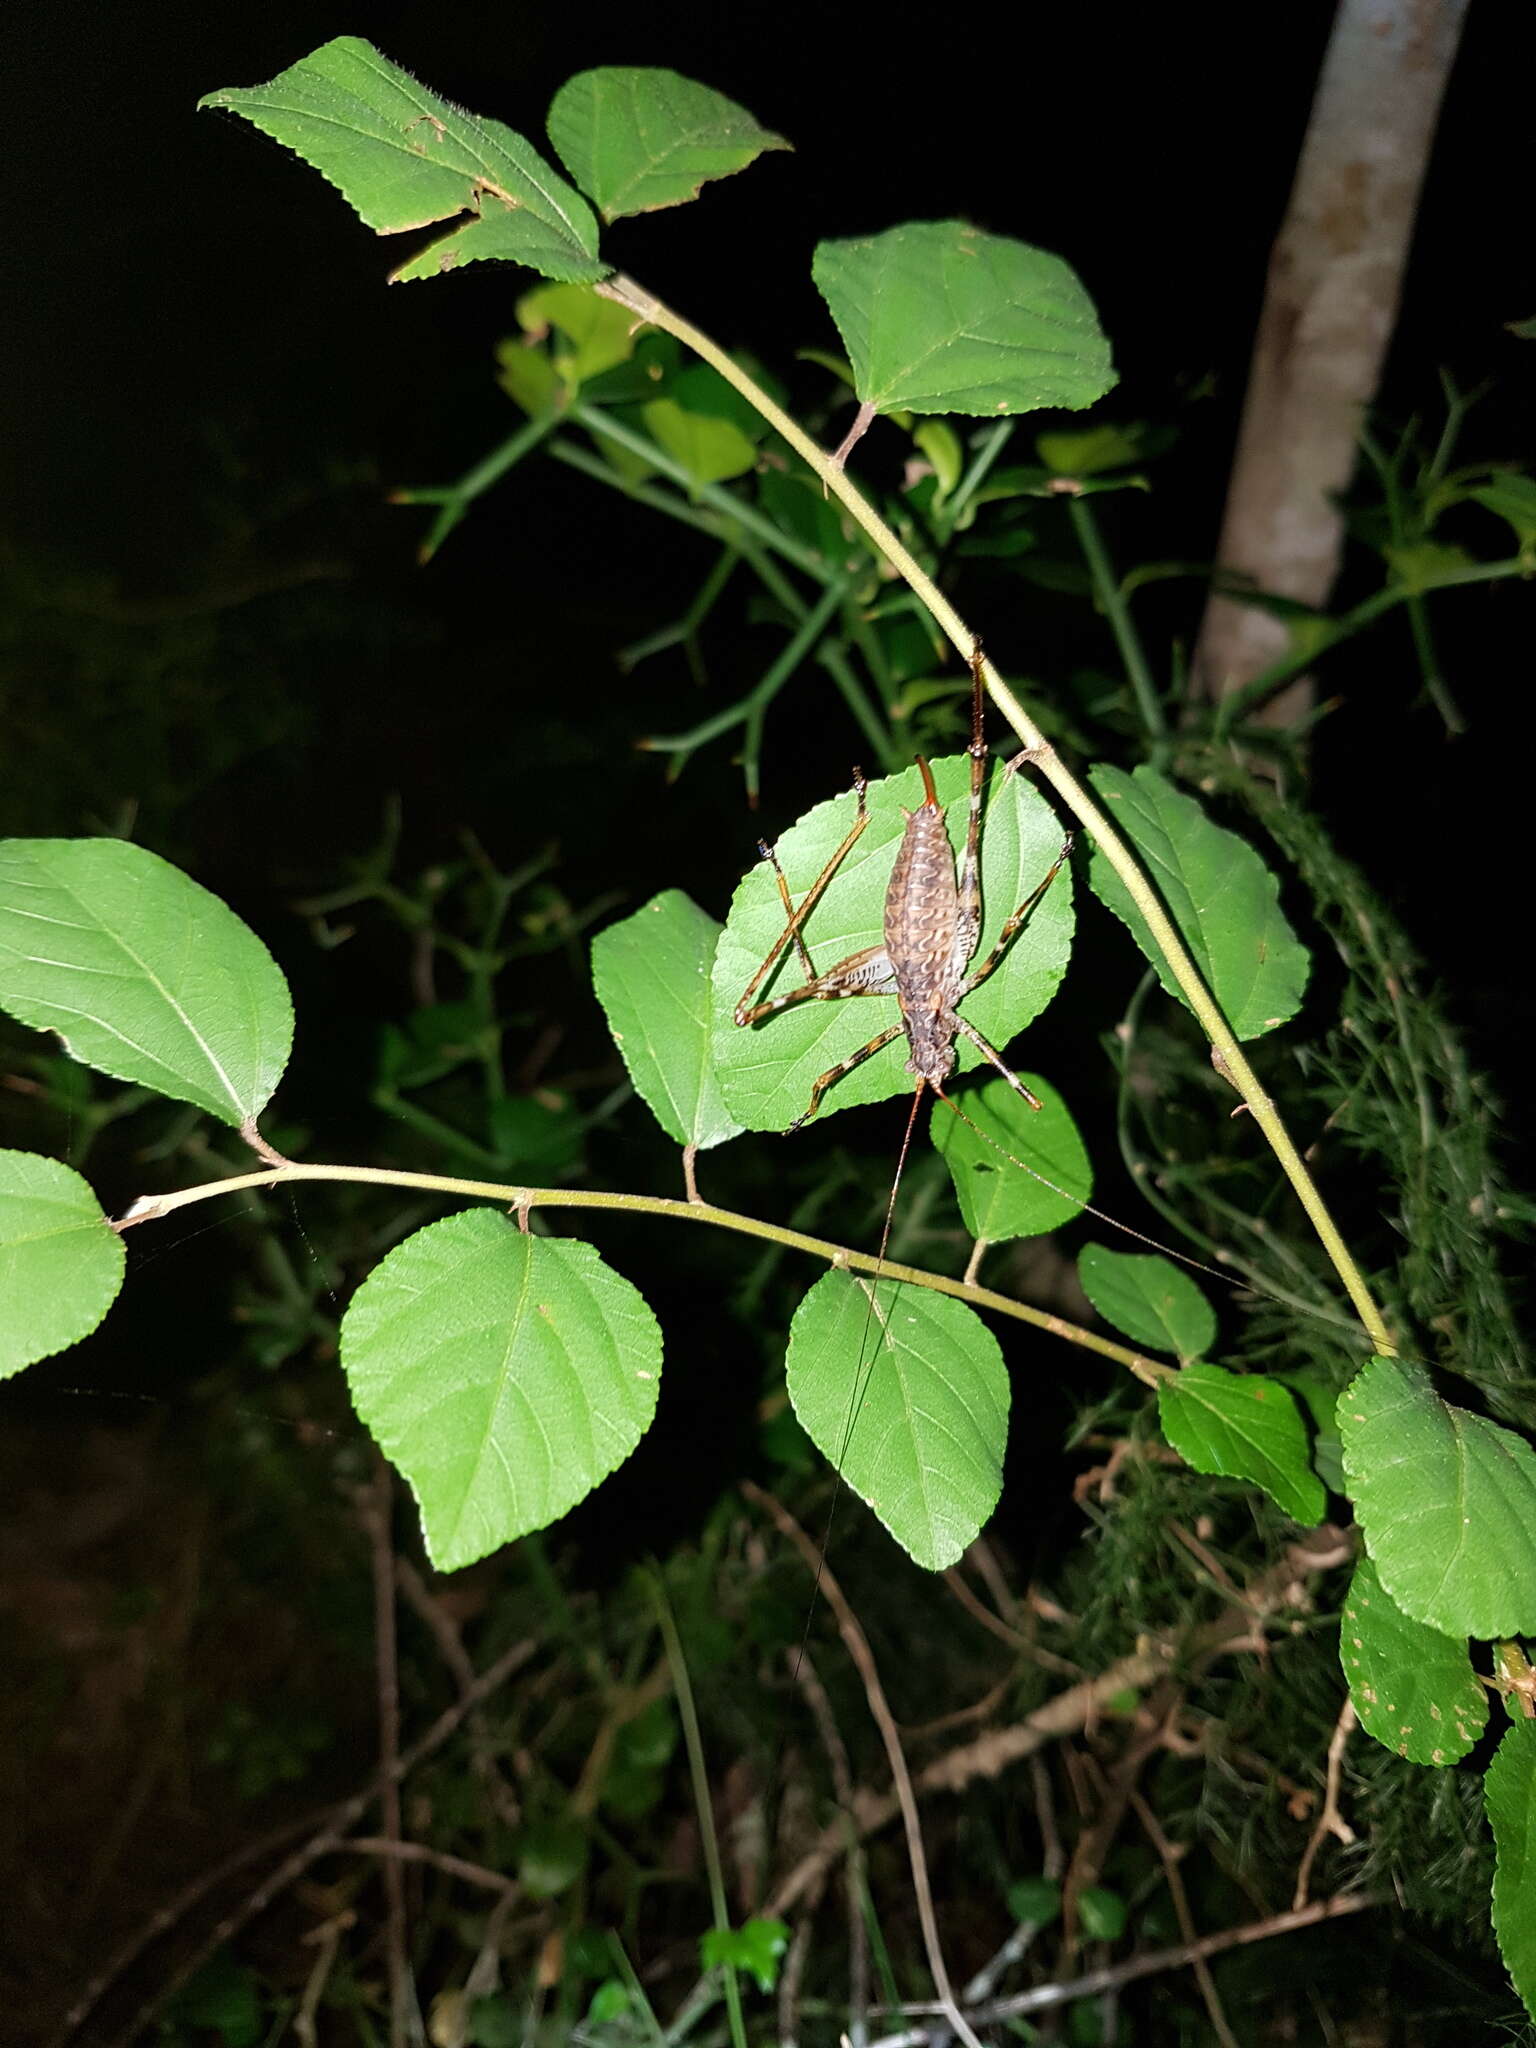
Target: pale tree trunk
{"type": "Point", "coordinates": [1330, 304]}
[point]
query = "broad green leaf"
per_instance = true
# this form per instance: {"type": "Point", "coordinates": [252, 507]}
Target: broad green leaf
{"type": "Point", "coordinates": [141, 972]}
{"type": "Point", "coordinates": [766, 1070]}
{"type": "Point", "coordinates": [651, 974]}
{"type": "Point", "coordinates": [1413, 1688]}
{"type": "Point", "coordinates": [596, 335]}
{"type": "Point", "coordinates": [997, 1198]}
{"type": "Point", "coordinates": [939, 317]}
{"type": "Point", "coordinates": [1148, 1297]}
{"type": "Point", "coordinates": [1101, 1914]}
{"type": "Point", "coordinates": [638, 139]}
{"type": "Point", "coordinates": [1224, 901]}
{"type": "Point", "coordinates": [1509, 1790]}
{"type": "Point", "coordinates": [1242, 1426]}
{"type": "Point", "coordinates": [712, 450]}
{"type": "Point", "coordinates": [403, 158]}
{"type": "Point", "coordinates": [1447, 1501]}
{"type": "Point", "coordinates": [528, 377]}
{"type": "Point", "coordinates": [61, 1262]}
{"type": "Point", "coordinates": [503, 1374]}
{"type": "Point", "coordinates": [926, 1449]}
{"type": "Point", "coordinates": [1318, 1394]}
{"type": "Point", "coordinates": [1425, 564]}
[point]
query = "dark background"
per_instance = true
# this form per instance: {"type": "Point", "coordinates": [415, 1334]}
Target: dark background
{"type": "Point", "coordinates": [208, 389]}
{"type": "Point", "coordinates": [192, 318]}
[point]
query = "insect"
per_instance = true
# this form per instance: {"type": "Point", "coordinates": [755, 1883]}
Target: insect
{"type": "Point", "coordinates": [931, 923]}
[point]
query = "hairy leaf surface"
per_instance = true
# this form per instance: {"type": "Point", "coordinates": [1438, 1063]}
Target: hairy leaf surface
{"type": "Point", "coordinates": [1413, 1688]}
{"type": "Point", "coordinates": [937, 316]}
{"type": "Point", "coordinates": [1222, 898]}
{"type": "Point", "coordinates": [1447, 1500]}
{"type": "Point", "coordinates": [998, 1199]}
{"type": "Point", "coordinates": [503, 1374]}
{"type": "Point", "coordinates": [926, 1450]}
{"type": "Point", "coordinates": [61, 1262]}
{"type": "Point", "coordinates": [143, 973]}
{"type": "Point", "coordinates": [1243, 1426]}
{"type": "Point", "coordinates": [636, 139]}
{"type": "Point", "coordinates": [1149, 1298]}
{"type": "Point", "coordinates": [652, 976]}
{"type": "Point", "coordinates": [403, 158]}
{"type": "Point", "coordinates": [1509, 1790]}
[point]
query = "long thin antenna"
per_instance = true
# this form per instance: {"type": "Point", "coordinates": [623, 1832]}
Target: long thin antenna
{"type": "Point", "coordinates": [862, 1375]}
{"type": "Point", "coordinates": [1087, 1208]}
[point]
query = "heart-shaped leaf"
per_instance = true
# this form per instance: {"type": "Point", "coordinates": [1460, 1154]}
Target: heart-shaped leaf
{"type": "Point", "coordinates": [402, 158]}
{"type": "Point", "coordinates": [920, 1379]}
{"type": "Point", "coordinates": [1413, 1688]}
{"type": "Point", "coordinates": [938, 317]}
{"type": "Point", "coordinates": [997, 1198]}
{"type": "Point", "coordinates": [766, 1069]}
{"type": "Point", "coordinates": [61, 1262]}
{"type": "Point", "coordinates": [1242, 1426]}
{"type": "Point", "coordinates": [1224, 901]}
{"type": "Point", "coordinates": [652, 974]}
{"type": "Point", "coordinates": [1447, 1500]}
{"type": "Point", "coordinates": [143, 974]}
{"type": "Point", "coordinates": [638, 139]}
{"type": "Point", "coordinates": [503, 1374]}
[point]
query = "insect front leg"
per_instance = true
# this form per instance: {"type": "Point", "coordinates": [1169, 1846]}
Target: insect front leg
{"type": "Point", "coordinates": [1010, 928]}
{"type": "Point", "coordinates": [746, 1011]}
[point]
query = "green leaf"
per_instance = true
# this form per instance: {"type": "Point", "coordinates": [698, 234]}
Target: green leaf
{"type": "Point", "coordinates": [1224, 901]}
{"type": "Point", "coordinates": [1089, 451]}
{"type": "Point", "coordinates": [1101, 1914]}
{"type": "Point", "coordinates": [941, 444]}
{"type": "Point", "coordinates": [651, 974]}
{"type": "Point", "coordinates": [1425, 564]}
{"type": "Point", "coordinates": [711, 450]}
{"type": "Point", "coordinates": [939, 317]}
{"type": "Point", "coordinates": [997, 1199]}
{"type": "Point", "coordinates": [1318, 1394]}
{"type": "Point", "coordinates": [61, 1262]}
{"type": "Point", "coordinates": [1035, 1900]}
{"type": "Point", "coordinates": [638, 139]}
{"type": "Point", "coordinates": [766, 1070]}
{"type": "Point", "coordinates": [551, 1855]}
{"type": "Point", "coordinates": [1513, 499]}
{"type": "Point", "coordinates": [1509, 1789]}
{"type": "Point", "coordinates": [1447, 1501]}
{"type": "Point", "coordinates": [597, 335]}
{"type": "Point", "coordinates": [528, 377]}
{"type": "Point", "coordinates": [1413, 1688]}
{"type": "Point", "coordinates": [753, 1949]}
{"type": "Point", "coordinates": [1148, 1297]}
{"type": "Point", "coordinates": [1242, 1426]}
{"type": "Point", "coordinates": [926, 1449]}
{"type": "Point", "coordinates": [143, 974]}
{"type": "Point", "coordinates": [403, 158]}
{"type": "Point", "coordinates": [503, 1374]}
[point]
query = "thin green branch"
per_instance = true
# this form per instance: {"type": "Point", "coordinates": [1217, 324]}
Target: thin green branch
{"type": "Point", "coordinates": [1279, 673]}
{"type": "Point", "coordinates": [1054, 770]}
{"type": "Point", "coordinates": [151, 1208]}
{"type": "Point", "coordinates": [704, 1804]}
{"type": "Point", "coordinates": [1112, 604]}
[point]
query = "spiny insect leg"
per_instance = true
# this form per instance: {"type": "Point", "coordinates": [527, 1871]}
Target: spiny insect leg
{"type": "Point", "coordinates": [833, 1074]}
{"type": "Point", "coordinates": [867, 973]}
{"type": "Point", "coordinates": [990, 1052]}
{"type": "Point", "coordinates": [745, 1013]}
{"type": "Point", "coordinates": [1006, 935]}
